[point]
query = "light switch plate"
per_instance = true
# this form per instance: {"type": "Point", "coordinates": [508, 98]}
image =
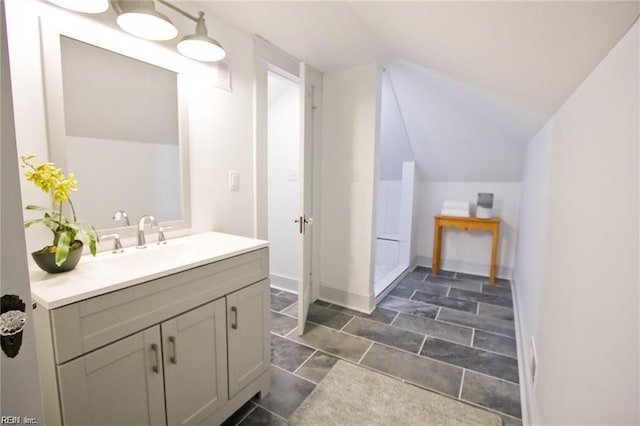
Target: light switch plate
{"type": "Point", "coordinates": [234, 180]}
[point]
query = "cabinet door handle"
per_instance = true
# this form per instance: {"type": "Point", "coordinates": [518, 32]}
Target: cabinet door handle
{"type": "Point", "coordinates": [234, 324]}
{"type": "Point", "coordinates": [174, 350]}
{"type": "Point", "coordinates": [156, 367]}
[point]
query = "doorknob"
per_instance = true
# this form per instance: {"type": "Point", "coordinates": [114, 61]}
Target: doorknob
{"type": "Point", "coordinates": [301, 221]}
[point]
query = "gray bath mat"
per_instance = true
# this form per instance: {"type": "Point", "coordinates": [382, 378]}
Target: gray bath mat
{"type": "Point", "coordinates": [352, 395]}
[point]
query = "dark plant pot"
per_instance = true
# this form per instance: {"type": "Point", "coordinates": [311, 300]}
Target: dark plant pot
{"type": "Point", "coordinates": [47, 261]}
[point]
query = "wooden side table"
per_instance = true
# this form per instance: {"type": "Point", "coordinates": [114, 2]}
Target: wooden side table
{"type": "Point", "coordinates": [465, 224]}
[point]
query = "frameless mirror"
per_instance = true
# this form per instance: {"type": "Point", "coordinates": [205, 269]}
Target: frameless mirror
{"type": "Point", "coordinates": [121, 134]}
{"type": "Point", "coordinates": [119, 124]}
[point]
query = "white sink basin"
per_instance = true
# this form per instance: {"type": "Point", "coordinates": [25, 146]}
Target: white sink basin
{"type": "Point", "coordinates": [109, 272]}
{"type": "Point", "coordinates": [133, 258]}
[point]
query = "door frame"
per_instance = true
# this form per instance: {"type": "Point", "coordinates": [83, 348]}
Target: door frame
{"type": "Point", "coordinates": [268, 57]}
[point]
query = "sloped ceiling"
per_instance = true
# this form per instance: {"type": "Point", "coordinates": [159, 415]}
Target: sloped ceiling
{"type": "Point", "coordinates": [474, 80]}
{"type": "Point", "coordinates": [458, 133]}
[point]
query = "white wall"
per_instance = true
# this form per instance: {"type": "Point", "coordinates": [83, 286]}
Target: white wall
{"type": "Point", "coordinates": [220, 122]}
{"type": "Point", "coordinates": [577, 283]}
{"type": "Point", "coordinates": [468, 252]}
{"type": "Point", "coordinates": [283, 154]}
{"type": "Point", "coordinates": [349, 143]}
{"type": "Point", "coordinates": [19, 386]}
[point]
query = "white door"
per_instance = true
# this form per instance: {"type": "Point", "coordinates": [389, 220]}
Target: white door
{"type": "Point", "coordinates": [305, 218]}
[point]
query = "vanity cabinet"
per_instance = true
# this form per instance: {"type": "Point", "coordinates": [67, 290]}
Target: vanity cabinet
{"type": "Point", "coordinates": [115, 385]}
{"type": "Point", "coordinates": [249, 345]}
{"type": "Point", "coordinates": [194, 359]}
{"type": "Point", "coordinates": [190, 348]}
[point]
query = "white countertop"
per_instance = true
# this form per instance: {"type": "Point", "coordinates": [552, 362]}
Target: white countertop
{"type": "Point", "coordinates": [108, 272]}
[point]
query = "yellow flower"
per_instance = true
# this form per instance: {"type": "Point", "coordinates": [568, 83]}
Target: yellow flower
{"type": "Point", "coordinates": [60, 195]}
{"type": "Point", "coordinates": [49, 178]}
{"type": "Point", "coordinates": [61, 188]}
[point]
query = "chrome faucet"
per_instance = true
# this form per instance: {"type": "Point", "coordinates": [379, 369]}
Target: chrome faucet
{"type": "Point", "coordinates": [142, 242]}
{"type": "Point", "coordinates": [122, 216]}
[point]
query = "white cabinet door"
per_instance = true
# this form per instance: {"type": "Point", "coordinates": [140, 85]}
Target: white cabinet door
{"type": "Point", "coordinates": [248, 325]}
{"type": "Point", "coordinates": [119, 384]}
{"type": "Point", "coordinates": [195, 363]}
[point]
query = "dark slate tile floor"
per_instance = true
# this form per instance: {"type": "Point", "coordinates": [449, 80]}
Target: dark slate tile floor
{"type": "Point", "coordinates": [451, 333]}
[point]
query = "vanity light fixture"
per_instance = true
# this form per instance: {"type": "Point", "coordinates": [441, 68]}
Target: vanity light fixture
{"type": "Point", "coordinates": [84, 6]}
{"type": "Point", "coordinates": [200, 46]}
{"type": "Point", "coordinates": [142, 20]}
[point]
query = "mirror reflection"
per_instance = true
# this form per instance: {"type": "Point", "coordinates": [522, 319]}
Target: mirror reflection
{"type": "Point", "coordinates": [121, 135]}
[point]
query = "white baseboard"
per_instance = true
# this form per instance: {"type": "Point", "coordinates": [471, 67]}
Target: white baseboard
{"type": "Point", "coordinates": [357, 302]}
{"type": "Point", "coordinates": [466, 267]}
{"type": "Point", "coordinates": [527, 400]}
{"type": "Point", "coordinates": [284, 283]}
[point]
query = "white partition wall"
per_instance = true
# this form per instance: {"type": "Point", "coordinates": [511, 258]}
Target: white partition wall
{"type": "Point", "coordinates": [387, 226]}
{"type": "Point", "coordinates": [348, 182]}
{"type": "Point", "coordinates": [394, 226]}
{"type": "Point", "coordinates": [406, 212]}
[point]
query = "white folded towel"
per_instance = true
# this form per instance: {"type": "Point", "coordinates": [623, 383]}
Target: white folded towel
{"type": "Point", "coordinates": [456, 205]}
{"type": "Point", "coordinates": [456, 212]}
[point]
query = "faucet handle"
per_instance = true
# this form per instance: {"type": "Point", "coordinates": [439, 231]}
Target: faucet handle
{"type": "Point", "coordinates": [117, 245]}
{"type": "Point", "coordinates": [162, 239]}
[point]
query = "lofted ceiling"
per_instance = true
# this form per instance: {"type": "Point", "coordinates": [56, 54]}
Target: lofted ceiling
{"type": "Point", "coordinates": [500, 68]}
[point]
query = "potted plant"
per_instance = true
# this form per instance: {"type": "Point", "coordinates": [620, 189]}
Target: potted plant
{"type": "Point", "coordinates": [68, 235]}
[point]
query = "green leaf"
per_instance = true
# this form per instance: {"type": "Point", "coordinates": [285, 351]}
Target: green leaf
{"type": "Point", "coordinates": [32, 207]}
{"type": "Point", "coordinates": [89, 238]}
{"type": "Point", "coordinates": [95, 233]}
{"type": "Point", "coordinates": [92, 243]}
{"type": "Point", "coordinates": [49, 223]}
{"type": "Point", "coordinates": [28, 223]}
{"type": "Point", "coordinates": [73, 226]}
{"type": "Point", "coordinates": [43, 209]}
{"type": "Point", "coordinates": [62, 249]}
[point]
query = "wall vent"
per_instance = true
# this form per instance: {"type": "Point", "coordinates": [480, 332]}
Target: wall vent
{"type": "Point", "coordinates": [220, 73]}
